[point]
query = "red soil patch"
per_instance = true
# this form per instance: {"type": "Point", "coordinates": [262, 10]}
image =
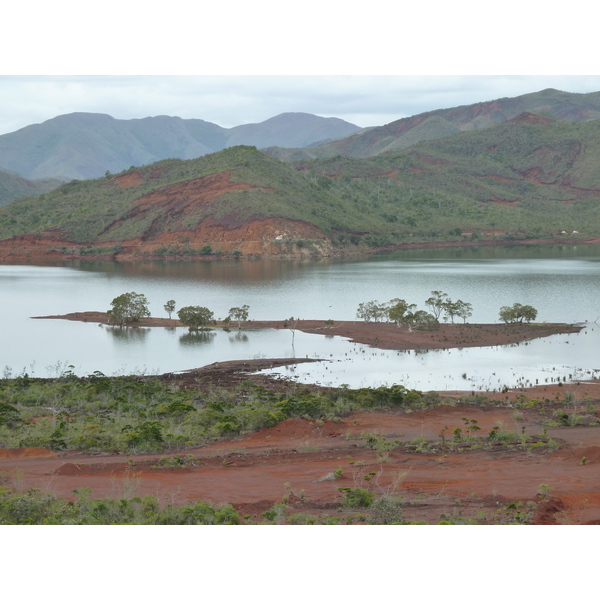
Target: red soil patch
{"type": "Point", "coordinates": [129, 180]}
{"type": "Point", "coordinates": [298, 458]}
{"type": "Point", "coordinates": [32, 452]}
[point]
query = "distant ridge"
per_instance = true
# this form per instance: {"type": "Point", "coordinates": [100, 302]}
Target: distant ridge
{"type": "Point", "coordinates": [443, 123]}
{"type": "Point", "coordinates": [13, 187]}
{"type": "Point", "coordinates": [86, 145]}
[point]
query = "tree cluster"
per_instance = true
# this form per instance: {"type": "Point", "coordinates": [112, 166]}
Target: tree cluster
{"type": "Point", "coordinates": [129, 308]}
{"type": "Point", "coordinates": [402, 313]}
{"type": "Point", "coordinates": [517, 313]}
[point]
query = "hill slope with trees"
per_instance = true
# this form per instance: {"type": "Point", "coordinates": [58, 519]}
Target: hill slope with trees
{"type": "Point", "coordinates": [531, 178]}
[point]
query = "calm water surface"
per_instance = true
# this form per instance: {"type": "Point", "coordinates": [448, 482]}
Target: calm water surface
{"type": "Point", "coordinates": [561, 282]}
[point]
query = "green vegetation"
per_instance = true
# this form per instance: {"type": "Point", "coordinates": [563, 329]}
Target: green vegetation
{"type": "Point", "coordinates": [13, 187]}
{"type": "Point", "coordinates": [517, 313]}
{"type": "Point", "coordinates": [169, 307]}
{"type": "Point", "coordinates": [131, 414]}
{"type": "Point", "coordinates": [517, 180]}
{"type": "Point", "coordinates": [35, 507]}
{"type": "Point", "coordinates": [196, 317]}
{"type": "Point", "coordinates": [127, 309]}
{"type": "Point", "coordinates": [400, 312]}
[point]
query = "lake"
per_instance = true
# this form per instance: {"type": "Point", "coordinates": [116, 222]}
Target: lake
{"type": "Point", "coordinates": [562, 283]}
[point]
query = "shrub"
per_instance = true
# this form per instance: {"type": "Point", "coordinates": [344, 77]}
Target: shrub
{"type": "Point", "coordinates": [357, 497]}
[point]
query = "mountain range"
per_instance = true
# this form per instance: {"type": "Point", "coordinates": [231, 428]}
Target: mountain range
{"type": "Point", "coordinates": [86, 145]}
{"type": "Point", "coordinates": [533, 178]}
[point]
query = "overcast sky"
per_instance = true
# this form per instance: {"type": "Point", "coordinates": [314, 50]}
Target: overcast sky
{"type": "Point", "coordinates": [243, 62]}
{"type": "Point", "coordinates": [233, 100]}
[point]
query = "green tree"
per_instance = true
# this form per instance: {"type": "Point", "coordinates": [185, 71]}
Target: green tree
{"type": "Point", "coordinates": [239, 314]}
{"type": "Point", "coordinates": [517, 313]}
{"type": "Point", "coordinates": [169, 307]}
{"type": "Point", "coordinates": [196, 317]}
{"type": "Point", "coordinates": [460, 309]}
{"type": "Point", "coordinates": [421, 320]}
{"type": "Point", "coordinates": [372, 311]}
{"type": "Point", "coordinates": [464, 310]}
{"type": "Point", "coordinates": [9, 415]}
{"type": "Point", "coordinates": [437, 303]}
{"type": "Point", "coordinates": [128, 308]}
{"type": "Point", "coordinates": [398, 308]}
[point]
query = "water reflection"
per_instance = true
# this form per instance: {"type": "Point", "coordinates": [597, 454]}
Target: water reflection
{"type": "Point", "coordinates": [235, 272]}
{"type": "Point", "coordinates": [240, 336]}
{"type": "Point", "coordinates": [128, 335]}
{"type": "Point", "coordinates": [197, 338]}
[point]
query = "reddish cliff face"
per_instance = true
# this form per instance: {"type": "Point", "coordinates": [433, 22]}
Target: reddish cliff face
{"type": "Point", "coordinates": [259, 237]}
{"type": "Point", "coordinates": [174, 224]}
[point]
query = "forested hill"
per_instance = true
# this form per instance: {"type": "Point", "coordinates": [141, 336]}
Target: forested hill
{"type": "Point", "coordinates": [442, 123]}
{"type": "Point", "coordinates": [530, 178]}
{"type": "Point", "coordinates": [236, 201]}
{"type": "Point", "coordinates": [86, 145]}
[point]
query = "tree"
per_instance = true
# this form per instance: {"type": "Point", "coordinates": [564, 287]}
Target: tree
{"type": "Point", "coordinates": [517, 313]}
{"type": "Point", "coordinates": [169, 307]}
{"type": "Point", "coordinates": [437, 303]}
{"type": "Point", "coordinates": [239, 314]}
{"type": "Point", "coordinates": [196, 317]}
{"type": "Point", "coordinates": [423, 321]}
{"type": "Point", "coordinates": [397, 310]}
{"type": "Point", "coordinates": [128, 308]}
{"type": "Point", "coordinates": [459, 309]}
{"type": "Point", "coordinates": [291, 324]}
{"type": "Point", "coordinates": [372, 311]}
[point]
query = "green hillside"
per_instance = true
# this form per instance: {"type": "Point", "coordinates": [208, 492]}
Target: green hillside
{"type": "Point", "coordinates": [529, 178]}
{"type": "Point", "coordinates": [86, 210]}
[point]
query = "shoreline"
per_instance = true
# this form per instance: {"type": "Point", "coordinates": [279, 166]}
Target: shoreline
{"type": "Point", "coordinates": [45, 251]}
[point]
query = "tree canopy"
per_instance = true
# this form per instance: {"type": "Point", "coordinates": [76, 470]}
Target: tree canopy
{"type": "Point", "coordinates": [128, 308]}
{"type": "Point", "coordinates": [239, 314]}
{"type": "Point", "coordinates": [169, 307]}
{"type": "Point", "coordinates": [517, 313]}
{"type": "Point", "coordinates": [196, 317]}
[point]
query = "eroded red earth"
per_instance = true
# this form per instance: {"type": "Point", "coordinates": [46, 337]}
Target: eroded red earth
{"type": "Point", "coordinates": [295, 462]}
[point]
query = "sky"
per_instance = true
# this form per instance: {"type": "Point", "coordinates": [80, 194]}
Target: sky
{"type": "Point", "coordinates": [364, 100]}
{"type": "Point", "coordinates": [242, 62]}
